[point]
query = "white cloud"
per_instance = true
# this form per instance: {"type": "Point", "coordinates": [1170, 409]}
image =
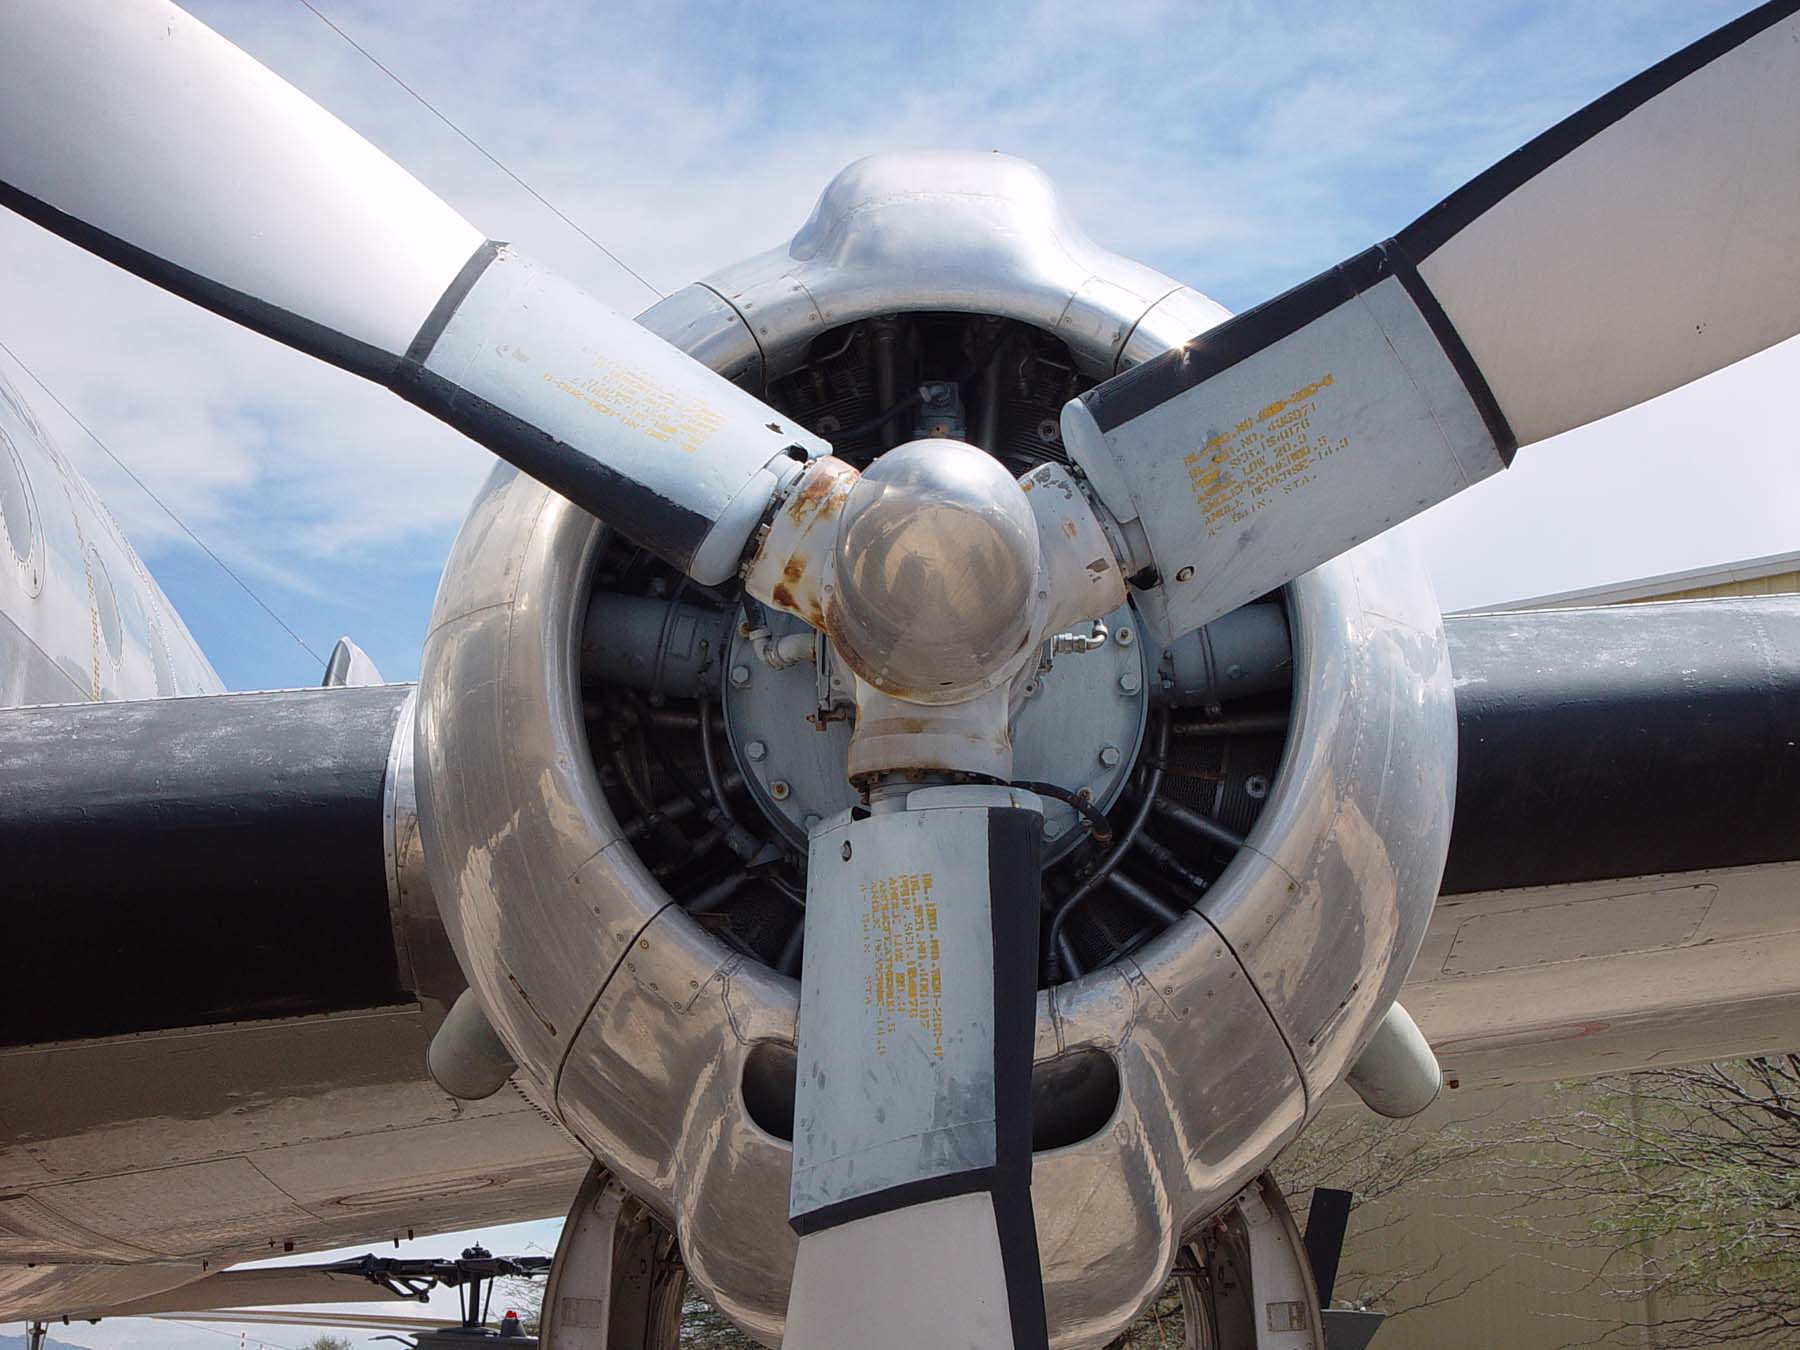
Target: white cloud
{"type": "Point", "coordinates": [1238, 148]}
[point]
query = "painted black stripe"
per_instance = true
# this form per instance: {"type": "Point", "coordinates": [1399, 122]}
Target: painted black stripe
{"type": "Point", "coordinates": [1451, 343]}
{"type": "Point", "coordinates": [672, 531]}
{"type": "Point", "coordinates": [1624, 742]}
{"type": "Point", "coordinates": [944, 1186]}
{"type": "Point", "coordinates": [667, 528]}
{"type": "Point", "coordinates": [1016, 1225]}
{"type": "Point", "coordinates": [293, 330]}
{"type": "Point", "coordinates": [1154, 382]}
{"type": "Point", "coordinates": [1174, 372]}
{"type": "Point", "coordinates": [1480, 194]}
{"type": "Point", "coordinates": [1147, 386]}
{"type": "Point", "coordinates": [1015, 841]}
{"type": "Point", "coordinates": [442, 312]}
{"type": "Point", "coordinates": [190, 862]}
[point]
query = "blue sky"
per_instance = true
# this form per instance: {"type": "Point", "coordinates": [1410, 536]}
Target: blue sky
{"type": "Point", "coordinates": [1238, 148]}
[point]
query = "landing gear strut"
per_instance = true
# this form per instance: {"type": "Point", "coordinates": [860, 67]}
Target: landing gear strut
{"type": "Point", "coordinates": [616, 1281]}
{"type": "Point", "coordinates": [1248, 1280]}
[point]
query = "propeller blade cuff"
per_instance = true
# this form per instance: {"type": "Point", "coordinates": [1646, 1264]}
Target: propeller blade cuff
{"type": "Point", "coordinates": [918, 1015]}
{"type": "Point", "coordinates": [604, 411]}
{"type": "Point", "coordinates": [1275, 441]}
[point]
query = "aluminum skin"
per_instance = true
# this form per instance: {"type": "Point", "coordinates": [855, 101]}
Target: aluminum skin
{"type": "Point", "coordinates": [634, 1026]}
{"type": "Point", "coordinates": [81, 618]}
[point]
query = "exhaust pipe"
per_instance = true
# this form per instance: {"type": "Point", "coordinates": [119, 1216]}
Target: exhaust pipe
{"type": "Point", "coordinates": [466, 1058]}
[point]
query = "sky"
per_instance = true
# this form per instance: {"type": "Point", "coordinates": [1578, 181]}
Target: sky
{"type": "Point", "coordinates": [1239, 148]}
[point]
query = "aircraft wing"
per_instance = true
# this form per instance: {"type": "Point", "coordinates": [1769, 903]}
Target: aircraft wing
{"type": "Point", "coordinates": [1622, 888]}
{"type": "Point", "coordinates": [215, 1050]}
{"type": "Point", "coordinates": [245, 1289]}
{"type": "Point", "coordinates": [218, 1000]}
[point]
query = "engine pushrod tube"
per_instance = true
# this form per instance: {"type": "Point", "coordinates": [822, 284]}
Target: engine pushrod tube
{"type": "Point", "coordinates": [1058, 947]}
{"type": "Point", "coordinates": [1199, 824]}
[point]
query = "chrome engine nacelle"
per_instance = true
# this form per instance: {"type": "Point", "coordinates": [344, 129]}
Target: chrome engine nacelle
{"type": "Point", "coordinates": [648, 1011]}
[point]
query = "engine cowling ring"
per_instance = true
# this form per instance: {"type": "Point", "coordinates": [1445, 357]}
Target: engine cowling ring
{"type": "Point", "coordinates": [638, 1029]}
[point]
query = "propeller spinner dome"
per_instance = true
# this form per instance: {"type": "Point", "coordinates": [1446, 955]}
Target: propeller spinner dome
{"type": "Point", "coordinates": [937, 563]}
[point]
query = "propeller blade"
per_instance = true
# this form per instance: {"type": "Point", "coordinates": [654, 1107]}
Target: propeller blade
{"type": "Point", "coordinates": [912, 1109]}
{"type": "Point", "coordinates": [1649, 239]}
{"type": "Point", "coordinates": [135, 131]}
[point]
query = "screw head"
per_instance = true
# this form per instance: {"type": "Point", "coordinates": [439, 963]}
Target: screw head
{"type": "Point", "coordinates": [1109, 755]}
{"type": "Point", "coordinates": [740, 676]}
{"type": "Point", "coordinates": [779, 789]}
{"type": "Point", "coordinates": [1185, 574]}
{"type": "Point", "coordinates": [1052, 828]}
{"type": "Point", "coordinates": [757, 751]}
{"type": "Point", "coordinates": [1124, 636]}
{"type": "Point", "coordinates": [1128, 682]}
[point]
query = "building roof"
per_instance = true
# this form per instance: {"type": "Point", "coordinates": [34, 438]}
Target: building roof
{"type": "Point", "coordinates": [1776, 573]}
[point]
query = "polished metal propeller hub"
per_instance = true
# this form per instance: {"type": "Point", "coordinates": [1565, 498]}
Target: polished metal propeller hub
{"type": "Point", "coordinates": [937, 569]}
